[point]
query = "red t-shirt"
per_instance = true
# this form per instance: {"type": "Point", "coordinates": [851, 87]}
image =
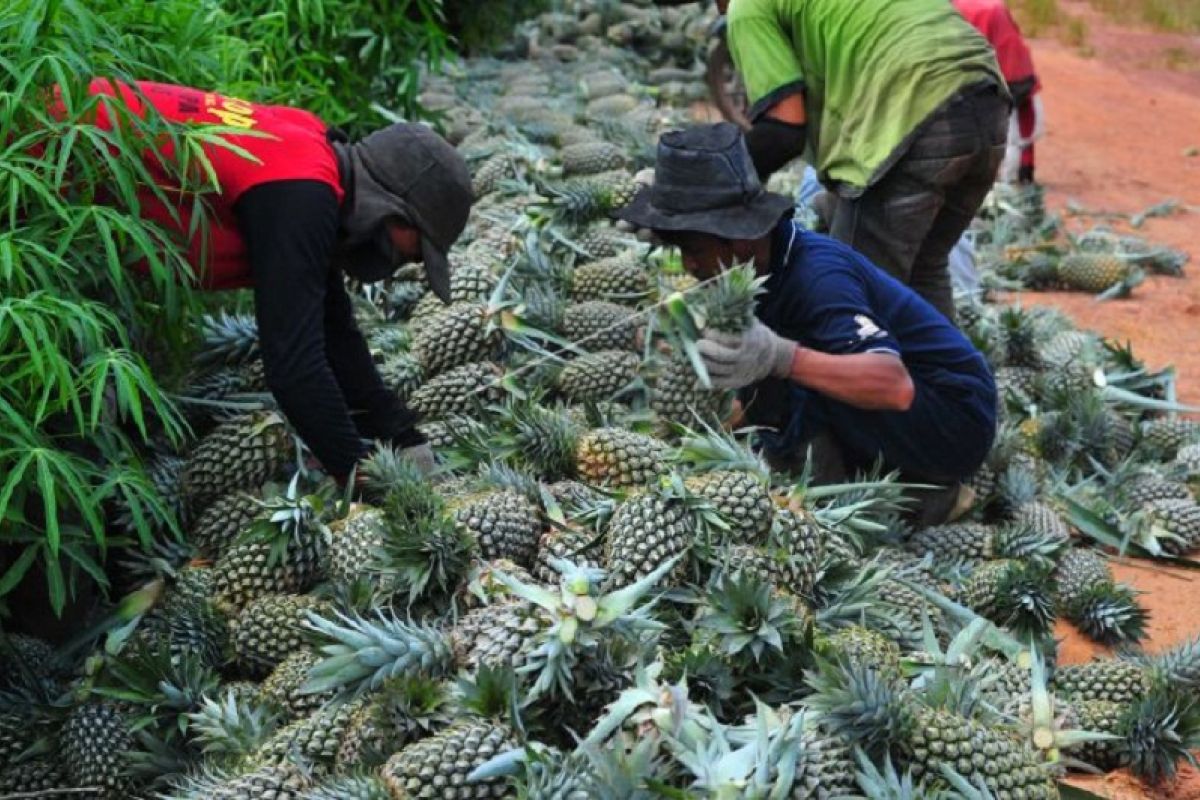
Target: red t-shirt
{"type": "Point", "coordinates": [295, 148]}
{"type": "Point", "coordinates": [993, 19]}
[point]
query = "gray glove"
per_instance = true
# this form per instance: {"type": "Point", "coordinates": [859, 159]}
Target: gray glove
{"type": "Point", "coordinates": [737, 360]}
{"type": "Point", "coordinates": [421, 456]}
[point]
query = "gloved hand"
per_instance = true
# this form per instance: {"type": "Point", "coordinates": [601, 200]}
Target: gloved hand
{"type": "Point", "coordinates": [421, 456]}
{"type": "Point", "coordinates": [737, 360]}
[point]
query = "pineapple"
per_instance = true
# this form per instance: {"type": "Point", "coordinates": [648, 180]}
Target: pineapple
{"type": "Point", "coordinates": [617, 279]}
{"type": "Point", "coordinates": [1100, 716]}
{"type": "Point", "coordinates": [227, 340]}
{"type": "Point", "coordinates": [573, 544]}
{"type": "Point", "coordinates": [1086, 595]}
{"type": "Point", "coordinates": [504, 524]}
{"type": "Point", "coordinates": [93, 747]}
{"type": "Point", "coordinates": [439, 765]}
{"type": "Point", "coordinates": [599, 325]}
{"type": "Point", "coordinates": [1187, 459]}
{"type": "Point", "coordinates": [315, 739]}
{"type": "Point", "coordinates": [740, 499]}
{"type": "Point", "coordinates": [589, 158]}
{"type": "Point", "coordinates": [38, 777]}
{"type": "Point", "coordinates": [1141, 489]}
{"type": "Point", "coordinates": [679, 396]}
{"type": "Point", "coordinates": [460, 334]}
{"type": "Point", "coordinates": [1164, 436]}
{"type": "Point", "coordinates": [1109, 679]}
{"type": "Point", "coordinates": [1093, 272]}
{"type": "Point", "coordinates": [1012, 594]}
{"type": "Point", "coordinates": [458, 391]}
{"type": "Point", "coordinates": [349, 787]}
{"type": "Point", "coordinates": [283, 553]}
{"type": "Point", "coordinates": [588, 197]}
{"type": "Point", "coordinates": [546, 630]}
{"type": "Point", "coordinates": [280, 781]}
{"type": "Point", "coordinates": [971, 542]}
{"type": "Point", "coordinates": [599, 375]}
{"type": "Point", "coordinates": [873, 712]}
{"type": "Point", "coordinates": [281, 689]}
{"type": "Point", "coordinates": [165, 472]}
{"type": "Point", "coordinates": [242, 452]}
{"type": "Point", "coordinates": [221, 523]}
{"type": "Point", "coordinates": [601, 241]}
{"type": "Point", "coordinates": [472, 283]}
{"type": "Point", "coordinates": [616, 457]}
{"type": "Point", "coordinates": [865, 648]}
{"type": "Point", "coordinates": [268, 630]}
{"type": "Point", "coordinates": [1176, 524]}
{"type": "Point", "coordinates": [646, 531]}
{"type": "Point", "coordinates": [612, 105]}
{"type": "Point", "coordinates": [402, 373]}
{"type": "Point", "coordinates": [404, 711]}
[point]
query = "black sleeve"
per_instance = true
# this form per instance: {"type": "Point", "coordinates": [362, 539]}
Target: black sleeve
{"type": "Point", "coordinates": [773, 143]}
{"type": "Point", "coordinates": [379, 414]}
{"type": "Point", "coordinates": [290, 229]}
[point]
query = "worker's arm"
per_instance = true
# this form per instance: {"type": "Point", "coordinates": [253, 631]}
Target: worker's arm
{"type": "Point", "coordinates": [767, 61]}
{"type": "Point", "coordinates": [290, 228]}
{"type": "Point", "coordinates": [876, 381]}
{"type": "Point", "coordinates": [379, 414]}
{"type": "Point", "coordinates": [847, 354]}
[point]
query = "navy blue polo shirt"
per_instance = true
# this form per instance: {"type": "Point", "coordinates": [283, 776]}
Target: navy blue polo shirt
{"type": "Point", "coordinates": [828, 297]}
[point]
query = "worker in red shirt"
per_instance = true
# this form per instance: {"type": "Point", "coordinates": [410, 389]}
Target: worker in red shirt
{"type": "Point", "coordinates": [309, 207]}
{"type": "Point", "coordinates": [993, 19]}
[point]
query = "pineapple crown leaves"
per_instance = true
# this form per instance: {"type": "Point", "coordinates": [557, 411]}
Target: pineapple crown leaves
{"type": "Point", "coordinates": [724, 303]}
{"type": "Point", "coordinates": [427, 559]}
{"type": "Point", "coordinates": [360, 654]}
{"type": "Point", "coordinates": [1024, 602]}
{"type": "Point", "coordinates": [887, 784]}
{"type": "Point", "coordinates": [163, 687]}
{"type": "Point", "coordinates": [649, 703]}
{"type": "Point", "coordinates": [1043, 729]}
{"type": "Point", "coordinates": [1160, 730]}
{"type": "Point", "coordinates": [1180, 665]}
{"type": "Point", "coordinates": [720, 768]}
{"type": "Point", "coordinates": [742, 616]}
{"type": "Point", "coordinates": [386, 469]}
{"type": "Point", "coordinates": [861, 704]}
{"type": "Point", "coordinates": [713, 449]}
{"type": "Point", "coordinates": [579, 611]}
{"type": "Point", "coordinates": [993, 636]}
{"type": "Point", "coordinates": [230, 728]}
{"type": "Point", "coordinates": [289, 520]}
{"type": "Point", "coordinates": [1109, 614]}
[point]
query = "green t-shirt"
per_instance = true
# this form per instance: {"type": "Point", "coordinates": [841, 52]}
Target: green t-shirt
{"type": "Point", "coordinates": [871, 70]}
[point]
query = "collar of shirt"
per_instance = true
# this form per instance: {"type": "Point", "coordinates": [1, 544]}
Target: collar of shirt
{"type": "Point", "coordinates": [784, 241]}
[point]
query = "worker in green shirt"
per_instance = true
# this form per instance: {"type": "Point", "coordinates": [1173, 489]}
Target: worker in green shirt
{"type": "Point", "coordinates": [900, 106]}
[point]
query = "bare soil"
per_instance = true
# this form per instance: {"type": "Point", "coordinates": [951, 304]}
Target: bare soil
{"type": "Point", "coordinates": [1123, 133]}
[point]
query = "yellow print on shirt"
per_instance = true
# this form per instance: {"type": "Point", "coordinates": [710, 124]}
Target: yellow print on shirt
{"type": "Point", "coordinates": [231, 111]}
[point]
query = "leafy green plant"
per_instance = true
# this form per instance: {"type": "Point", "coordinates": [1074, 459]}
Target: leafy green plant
{"type": "Point", "coordinates": [354, 63]}
{"type": "Point", "coordinates": [76, 398]}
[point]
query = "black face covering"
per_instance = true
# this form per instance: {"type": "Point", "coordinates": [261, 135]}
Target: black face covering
{"type": "Point", "coordinates": [370, 260]}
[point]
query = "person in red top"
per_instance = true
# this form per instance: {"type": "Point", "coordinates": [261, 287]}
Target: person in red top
{"type": "Point", "coordinates": [308, 207]}
{"type": "Point", "coordinates": [993, 19]}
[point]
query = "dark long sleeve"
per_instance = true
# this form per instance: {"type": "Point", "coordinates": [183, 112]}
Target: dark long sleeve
{"type": "Point", "coordinates": [290, 229]}
{"type": "Point", "coordinates": [378, 411]}
{"type": "Point", "coordinates": [773, 143]}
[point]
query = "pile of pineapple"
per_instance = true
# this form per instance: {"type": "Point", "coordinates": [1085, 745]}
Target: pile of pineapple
{"type": "Point", "coordinates": [1021, 246]}
{"type": "Point", "coordinates": [603, 593]}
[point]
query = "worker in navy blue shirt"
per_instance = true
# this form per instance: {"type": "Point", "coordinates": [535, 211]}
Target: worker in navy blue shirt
{"type": "Point", "coordinates": [842, 355]}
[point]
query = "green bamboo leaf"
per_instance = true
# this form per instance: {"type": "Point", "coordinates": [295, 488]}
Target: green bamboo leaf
{"type": "Point", "coordinates": [54, 581]}
{"type": "Point", "coordinates": [19, 567]}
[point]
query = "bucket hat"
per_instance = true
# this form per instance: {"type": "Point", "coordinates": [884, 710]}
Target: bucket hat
{"type": "Point", "coordinates": [705, 181]}
{"type": "Point", "coordinates": [408, 172]}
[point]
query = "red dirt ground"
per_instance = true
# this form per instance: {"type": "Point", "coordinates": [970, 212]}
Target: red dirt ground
{"type": "Point", "coordinates": [1120, 127]}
